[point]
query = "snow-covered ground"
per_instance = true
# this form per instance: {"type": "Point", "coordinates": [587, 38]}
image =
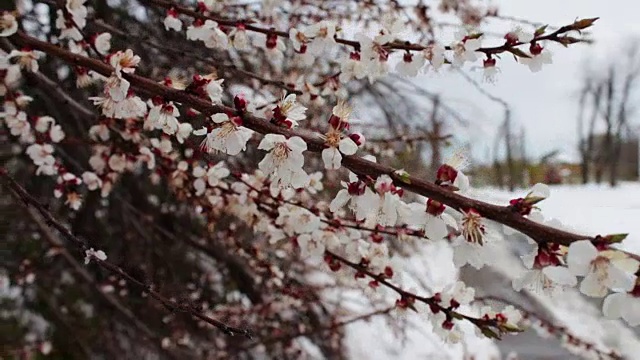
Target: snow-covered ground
{"type": "Point", "coordinates": [587, 209]}
{"type": "Point", "coordinates": [591, 209]}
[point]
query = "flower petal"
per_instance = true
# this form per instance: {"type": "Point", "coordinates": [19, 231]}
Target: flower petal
{"type": "Point", "coordinates": [436, 229]}
{"type": "Point", "coordinates": [540, 190]}
{"type": "Point", "coordinates": [613, 305]}
{"type": "Point", "coordinates": [348, 146]}
{"type": "Point", "coordinates": [560, 275]}
{"type": "Point", "coordinates": [332, 158]}
{"type": "Point", "coordinates": [340, 200]}
{"type": "Point", "coordinates": [581, 254]}
{"type": "Point", "coordinates": [219, 118]}
{"type": "Point", "coordinates": [269, 141]}
{"type": "Point", "coordinates": [619, 279]}
{"type": "Point", "coordinates": [296, 143]}
{"type": "Point", "coordinates": [592, 286]}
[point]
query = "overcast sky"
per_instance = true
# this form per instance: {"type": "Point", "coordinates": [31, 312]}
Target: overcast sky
{"type": "Point", "coordinates": [545, 103]}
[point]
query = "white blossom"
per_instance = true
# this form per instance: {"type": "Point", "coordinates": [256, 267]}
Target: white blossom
{"type": "Point", "coordinates": [67, 30]}
{"type": "Point", "coordinates": [239, 38]}
{"type": "Point", "coordinates": [214, 90]}
{"type": "Point", "coordinates": [435, 54]}
{"type": "Point", "coordinates": [117, 162]}
{"type": "Point", "coordinates": [102, 43]}
{"type": "Point", "coordinates": [147, 155]}
{"type": "Point", "coordinates": [172, 22]}
{"type": "Point", "coordinates": [91, 180]}
{"type": "Point", "coordinates": [43, 123]}
{"type": "Point", "coordinates": [284, 160]}
{"type": "Point", "coordinates": [337, 144]}
{"type": "Point", "coordinates": [27, 60]}
{"type": "Point", "coordinates": [410, 65]}
{"type": "Point", "coordinates": [296, 220]}
{"type": "Point", "coordinates": [599, 268]}
{"type": "Point", "coordinates": [91, 253]}
{"type": "Point", "coordinates": [464, 49]}
{"type": "Point", "coordinates": [99, 131]}
{"type": "Point", "coordinates": [623, 305]}
{"type": "Point", "coordinates": [8, 24]}
{"type": "Point", "coordinates": [352, 67]}
{"type": "Point", "coordinates": [289, 111]}
{"type": "Point", "coordinates": [56, 134]}
{"type": "Point", "coordinates": [544, 274]}
{"type": "Point", "coordinates": [323, 37]}
{"type": "Point", "coordinates": [229, 136]}
{"type": "Point", "coordinates": [124, 62]}
{"type": "Point", "coordinates": [165, 117]}
{"type": "Point", "coordinates": [416, 216]}
{"type": "Point", "coordinates": [539, 57]}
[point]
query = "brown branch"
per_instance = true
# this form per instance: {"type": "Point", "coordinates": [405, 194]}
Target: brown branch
{"type": "Point", "coordinates": [556, 330]}
{"type": "Point", "coordinates": [310, 331]}
{"type": "Point", "coordinates": [502, 214]}
{"type": "Point", "coordinates": [396, 45]}
{"type": "Point", "coordinates": [433, 302]}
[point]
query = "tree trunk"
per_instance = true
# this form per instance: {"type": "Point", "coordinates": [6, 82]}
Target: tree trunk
{"type": "Point", "coordinates": [509, 143]}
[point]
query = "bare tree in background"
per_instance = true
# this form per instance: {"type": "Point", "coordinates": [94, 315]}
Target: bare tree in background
{"type": "Point", "coordinates": [607, 97]}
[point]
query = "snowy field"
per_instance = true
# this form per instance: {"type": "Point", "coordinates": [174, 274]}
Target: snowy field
{"type": "Point", "coordinates": [590, 209]}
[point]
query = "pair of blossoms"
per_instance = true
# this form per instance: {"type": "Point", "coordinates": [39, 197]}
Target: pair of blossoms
{"type": "Point", "coordinates": [604, 269]}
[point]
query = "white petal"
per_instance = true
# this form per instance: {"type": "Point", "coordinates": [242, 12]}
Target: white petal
{"type": "Point", "coordinates": [540, 190]}
{"type": "Point", "coordinates": [581, 254]}
{"type": "Point", "coordinates": [219, 118]}
{"type": "Point", "coordinates": [631, 311]}
{"type": "Point", "coordinates": [525, 280]}
{"type": "Point", "coordinates": [529, 258]}
{"type": "Point", "coordinates": [619, 279]}
{"type": "Point", "coordinates": [560, 275]}
{"type": "Point", "coordinates": [389, 209]}
{"type": "Point", "coordinates": [299, 179]}
{"type": "Point", "coordinates": [331, 158]}
{"type": "Point", "coordinates": [613, 305]}
{"type": "Point", "coordinates": [436, 229]}
{"type": "Point", "coordinates": [295, 160]}
{"type": "Point", "coordinates": [296, 143]}
{"type": "Point", "coordinates": [591, 286]}
{"type": "Point", "coordinates": [267, 165]}
{"type": "Point", "coordinates": [340, 200]}
{"type": "Point", "coordinates": [413, 214]}
{"type": "Point", "coordinates": [269, 141]}
{"type": "Point", "coordinates": [347, 146]}
{"type": "Point", "coordinates": [200, 132]}
{"type": "Point", "coordinates": [461, 182]}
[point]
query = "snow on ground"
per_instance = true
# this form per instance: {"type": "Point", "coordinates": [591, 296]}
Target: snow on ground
{"type": "Point", "coordinates": [587, 209]}
{"type": "Point", "coordinates": [590, 209]}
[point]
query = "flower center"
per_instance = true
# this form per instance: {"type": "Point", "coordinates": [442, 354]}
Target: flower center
{"type": "Point", "coordinates": [5, 23]}
{"type": "Point", "coordinates": [600, 267]}
{"type": "Point", "coordinates": [333, 138]}
{"type": "Point", "coordinates": [472, 227]}
{"type": "Point", "coordinates": [281, 151]}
